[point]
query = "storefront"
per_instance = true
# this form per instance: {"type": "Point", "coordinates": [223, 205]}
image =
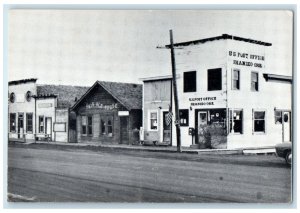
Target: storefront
{"type": "Point", "coordinates": [227, 97]}
{"type": "Point", "coordinates": [109, 112]}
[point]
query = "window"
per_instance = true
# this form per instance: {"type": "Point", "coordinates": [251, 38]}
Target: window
{"type": "Point", "coordinates": [184, 117]}
{"type": "Point", "coordinates": [29, 122]}
{"type": "Point", "coordinates": [90, 125]}
{"type": "Point", "coordinates": [259, 121]}
{"type": "Point", "coordinates": [28, 96]}
{"type": "Point", "coordinates": [236, 121]}
{"type": "Point", "coordinates": [12, 119]}
{"type": "Point", "coordinates": [278, 117]}
{"type": "Point", "coordinates": [214, 79]}
{"type": "Point", "coordinates": [189, 81]}
{"type": "Point", "coordinates": [236, 79]}
{"type": "Point", "coordinates": [254, 81]}
{"type": "Point", "coordinates": [83, 125]}
{"type": "Point", "coordinates": [12, 97]}
{"type": "Point", "coordinates": [153, 120]}
{"type": "Point", "coordinates": [41, 124]}
{"type": "Point", "coordinates": [107, 125]}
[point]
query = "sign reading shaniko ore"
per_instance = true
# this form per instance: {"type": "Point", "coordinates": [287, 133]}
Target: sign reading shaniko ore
{"type": "Point", "coordinates": [244, 59]}
{"type": "Point", "coordinates": [97, 105]}
{"type": "Point", "coordinates": [203, 101]}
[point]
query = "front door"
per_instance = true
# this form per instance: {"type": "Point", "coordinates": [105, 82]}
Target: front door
{"type": "Point", "coordinates": [48, 127]}
{"type": "Point", "coordinates": [124, 137]}
{"type": "Point", "coordinates": [166, 127]}
{"type": "Point", "coordinates": [202, 122]}
{"type": "Point", "coordinates": [21, 125]}
{"type": "Point", "coordinates": [286, 126]}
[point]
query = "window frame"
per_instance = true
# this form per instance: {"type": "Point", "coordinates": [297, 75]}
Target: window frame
{"type": "Point", "coordinates": [185, 81]}
{"type": "Point", "coordinates": [187, 118]}
{"type": "Point", "coordinates": [106, 118]}
{"type": "Point", "coordinates": [254, 90]}
{"type": "Point", "coordinates": [275, 116]}
{"type": "Point", "coordinates": [231, 118]}
{"type": "Point", "coordinates": [43, 118]}
{"type": "Point", "coordinates": [221, 80]}
{"type": "Point", "coordinates": [238, 80]}
{"type": "Point", "coordinates": [27, 122]}
{"type": "Point", "coordinates": [89, 125]}
{"type": "Point", "coordinates": [149, 120]}
{"type": "Point", "coordinates": [253, 121]}
{"type": "Point", "coordinates": [10, 122]}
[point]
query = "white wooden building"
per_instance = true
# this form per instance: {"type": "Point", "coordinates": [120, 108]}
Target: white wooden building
{"type": "Point", "coordinates": [228, 98]}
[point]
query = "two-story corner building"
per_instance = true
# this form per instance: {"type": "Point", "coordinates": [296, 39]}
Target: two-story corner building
{"type": "Point", "coordinates": [41, 111]}
{"type": "Point", "coordinates": [228, 98]}
{"type": "Point", "coordinates": [109, 112]}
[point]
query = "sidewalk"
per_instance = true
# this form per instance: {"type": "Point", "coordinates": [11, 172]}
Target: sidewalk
{"type": "Point", "coordinates": [169, 149]}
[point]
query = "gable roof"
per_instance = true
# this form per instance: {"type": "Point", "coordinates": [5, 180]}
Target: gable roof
{"type": "Point", "coordinates": [223, 36]}
{"type": "Point", "coordinates": [66, 95]}
{"type": "Point", "coordinates": [128, 94]}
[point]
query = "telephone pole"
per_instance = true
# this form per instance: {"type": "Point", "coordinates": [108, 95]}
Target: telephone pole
{"type": "Point", "coordinates": [177, 123]}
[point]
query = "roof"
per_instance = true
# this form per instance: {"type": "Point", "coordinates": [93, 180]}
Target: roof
{"type": "Point", "coordinates": [223, 36]}
{"type": "Point", "coordinates": [128, 94]}
{"type": "Point", "coordinates": [275, 77]}
{"type": "Point", "coordinates": [22, 81]}
{"type": "Point", "coordinates": [66, 95]}
{"type": "Point", "coordinates": [157, 78]}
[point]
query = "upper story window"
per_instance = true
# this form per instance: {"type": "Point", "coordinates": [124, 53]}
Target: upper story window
{"type": "Point", "coordinates": [189, 81]}
{"type": "Point", "coordinates": [28, 96]}
{"type": "Point", "coordinates": [235, 79]}
{"type": "Point", "coordinates": [214, 79]}
{"type": "Point", "coordinates": [12, 97]}
{"type": "Point", "coordinates": [254, 81]}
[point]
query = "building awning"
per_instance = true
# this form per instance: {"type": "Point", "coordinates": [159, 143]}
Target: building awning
{"type": "Point", "coordinates": [274, 77]}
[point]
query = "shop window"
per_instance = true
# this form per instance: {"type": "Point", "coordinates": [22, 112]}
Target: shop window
{"type": "Point", "coordinates": [29, 123]}
{"type": "Point", "coordinates": [189, 81]}
{"type": "Point", "coordinates": [184, 117]}
{"type": "Point", "coordinates": [278, 117]}
{"type": "Point", "coordinates": [259, 121]}
{"type": "Point", "coordinates": [214, 79]}
{"type": "Point", "coordinates": [12, 119]}
{"type": "Point", "coordinates": [107, 125]}
{"type": "Point", "coordinates": [83, 125]}
{"type": "Point", "coordinates": [236, 79]}
{"type": "Point", "coordinates": [217, 116]}
{"type": "Point", "coordinates": [254, 81]}
{"type": "Point", "coordinates": [41, 124]}
{"type": "Point", "coordinates": [236, 121]}
{"type": "Point", "coordinates": [90, 125]}
{"type": "Point", "coordinates": [153, 120]}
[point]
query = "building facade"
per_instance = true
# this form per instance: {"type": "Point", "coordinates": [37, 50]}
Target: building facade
{"type": "Point", "coordinates": [41, 112]}
{"type": "Point", "coordinates": [109, 112]}
{"type": "Point", "coordinates": [227, 96]}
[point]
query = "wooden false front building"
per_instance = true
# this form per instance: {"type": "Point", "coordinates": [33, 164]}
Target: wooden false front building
{"type": "Point", "coordinates": [109, 112]}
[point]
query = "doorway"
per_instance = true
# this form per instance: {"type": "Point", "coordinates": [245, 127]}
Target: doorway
{"type": "Point", "coordinates": [21, 125]}
{"type": "Point", "coordinates": [202, 122]}
{"type": "Point", "coordinates": [166, 127]}
{"type": "Point", "coordinates": [124, 136]}
{"type": "Point", "coordinates": [48, 131]}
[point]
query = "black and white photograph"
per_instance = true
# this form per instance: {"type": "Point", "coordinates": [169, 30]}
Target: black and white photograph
{"type": "Point", "coordinates": [150, 106]}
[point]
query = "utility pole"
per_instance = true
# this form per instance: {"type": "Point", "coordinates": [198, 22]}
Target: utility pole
{"type": "Point", "coordinates": [177, 123]}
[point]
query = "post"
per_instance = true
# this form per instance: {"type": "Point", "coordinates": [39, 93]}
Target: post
{"type": "Point", "coordinates": [178, 137]}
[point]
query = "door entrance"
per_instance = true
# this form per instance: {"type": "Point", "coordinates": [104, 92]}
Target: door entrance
{"type": "Point", "coordinates": [166, 128]}
{"type": "Point", "coordinates": [286, 126]}
{"type": "Point", "coordinates": [21, 125]}
{"type": "Point", "coordinates": [49, 127]}
{"type": "Point", "coordinates": [202, 121]}
{"type": "Point", "coordinates": [124, 137]}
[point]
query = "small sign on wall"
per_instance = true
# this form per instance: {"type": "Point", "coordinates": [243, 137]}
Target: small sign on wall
{"type": "Point", "coordinates": [59, 127]}
{"type": "Point", "coordinates": [45, 105]}
{"type": "Point", "coordinates": [123, 113]}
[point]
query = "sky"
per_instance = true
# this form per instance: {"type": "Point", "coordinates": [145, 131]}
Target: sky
{"type": "Point", "coordinates": [78, 47]}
